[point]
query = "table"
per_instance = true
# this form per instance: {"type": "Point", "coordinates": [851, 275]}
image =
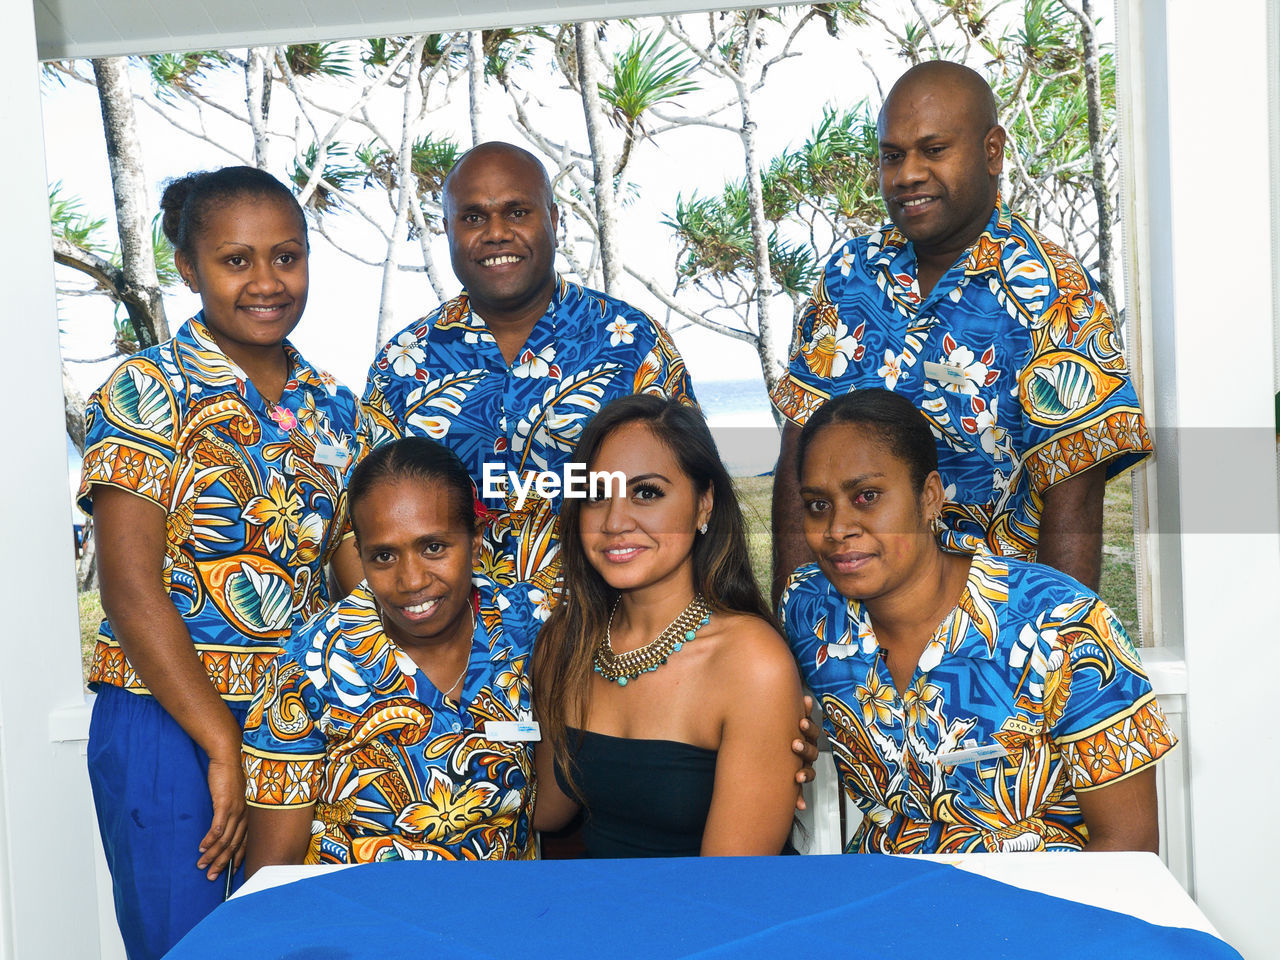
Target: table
{"type": "Point", "coordinates": [844, 906]}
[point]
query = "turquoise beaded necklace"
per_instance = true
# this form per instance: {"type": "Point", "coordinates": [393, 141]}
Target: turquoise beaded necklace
{"type": "Point", "coordinates": [623, 668]}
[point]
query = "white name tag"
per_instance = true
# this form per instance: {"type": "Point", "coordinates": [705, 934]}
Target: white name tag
{"type": "Point", "coordinates": [972, 755]}
{"type": "Point", "coordinates": [949, 374]}
{"type": "Point", "coordinates": [512, 730]}
{"type": "Point", "coordinates": [332, 455]}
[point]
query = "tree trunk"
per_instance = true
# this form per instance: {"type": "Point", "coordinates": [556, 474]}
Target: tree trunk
{"type": "Point", "coordinates": [257, 100]}
{"type": "Point", "coordinates": [73, 408]}
{"type": "Point", "coordinates": [590, 76]}
{"type": "Point", "coordinates": [760, 226]}
{"type": "Point", "coordinates": [124, 155]}
{"type": "Point", "coordinates": [772, 374]}
{"type": "Point", "coordinates": [475, 75]}
{"type": "Point", "coordinates": [407, 193]}
{"type": "Point", "coordinates": [1098, 177]}
{"type": "Point", "coordinates": [86, 566]}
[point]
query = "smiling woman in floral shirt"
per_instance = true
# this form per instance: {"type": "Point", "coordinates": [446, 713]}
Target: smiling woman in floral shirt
{"type": "Point", "coordinates": [215, 467]}
{"type": "Point", "coordinates": [389, 727]}
{"type": "Point", "coordinates": [974, 702]}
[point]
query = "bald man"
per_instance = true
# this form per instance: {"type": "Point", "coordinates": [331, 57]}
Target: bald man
{"type": "Point", "coordinates": [509, 372]}
{"type": "Point", "coordinates": [999, 337]}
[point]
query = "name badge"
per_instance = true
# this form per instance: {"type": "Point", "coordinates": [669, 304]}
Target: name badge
{"type": "Point", "coordinates": [512, 730]}
{"type": "Point", "coordinates": [332, 455]}
{"type": "Point", "coordinates": [972, 754]}
{"type": "Point", "coordinates": [948, 374]}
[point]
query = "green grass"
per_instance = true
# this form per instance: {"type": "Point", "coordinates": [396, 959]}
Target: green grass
{"type": "Point", "coordinates": [755, 495]}
{"type": "Point", "coordinates": [90, 617]}
{"type": "Point", "coordinates": [1118, 587]}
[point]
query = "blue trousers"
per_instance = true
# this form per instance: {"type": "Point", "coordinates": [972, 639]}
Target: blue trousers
{"type": "Point", "coordinates": [151, 791]}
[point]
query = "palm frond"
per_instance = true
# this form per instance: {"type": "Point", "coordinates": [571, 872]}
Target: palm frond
{"type": "Point", "coordinates": [644, 75]}
{"type": "Point", "coordinates": [319, 59]}
{"type": "Point", "coordinates": [175, 72]}
{"type": "Point", "coordinates": [69, 221]}
{"type": "Point", "coordinates": [337, 178]}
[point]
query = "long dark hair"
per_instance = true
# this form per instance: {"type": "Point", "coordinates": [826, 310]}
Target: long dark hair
{"type": "Point", "coordinates": [721, 562]}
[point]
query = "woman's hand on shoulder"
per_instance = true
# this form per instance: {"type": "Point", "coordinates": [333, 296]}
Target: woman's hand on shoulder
{"type": "Point", "coordinates": [806, 748]}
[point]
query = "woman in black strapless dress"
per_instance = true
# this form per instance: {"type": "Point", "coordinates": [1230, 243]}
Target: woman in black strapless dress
{"type": "Point", "coordinates": [667, 698]}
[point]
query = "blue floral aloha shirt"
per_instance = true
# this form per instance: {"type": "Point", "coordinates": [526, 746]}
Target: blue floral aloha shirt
{"type": "Point", "coordinates": [1028, 659]}
{"type": "Point", "coordinates": [252, 517]}
{"type": "Point", "coordinates": [346, 722]}
{"type": "Point", "coordinates": [445, 378]}
{"type": "Point", "coordinates": [1036, 388]}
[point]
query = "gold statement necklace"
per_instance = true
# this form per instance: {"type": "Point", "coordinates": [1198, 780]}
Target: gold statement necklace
{"type": "Point", "coordinates": [623, 668]}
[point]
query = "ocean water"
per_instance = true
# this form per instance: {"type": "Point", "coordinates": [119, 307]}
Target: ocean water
{"type": "Point", "coordinates": [739, 414]}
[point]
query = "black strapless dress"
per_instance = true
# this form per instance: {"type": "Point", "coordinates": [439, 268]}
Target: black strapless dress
{"type": "Point", "coordinates": [643, 798]}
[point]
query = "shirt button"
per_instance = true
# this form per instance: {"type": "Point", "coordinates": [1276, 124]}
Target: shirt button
{"type": "Point", "coordinates": [457, 727]}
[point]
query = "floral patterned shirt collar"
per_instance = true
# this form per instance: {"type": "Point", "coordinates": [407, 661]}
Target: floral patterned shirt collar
{"type": "Point", "coordinates": [971, 626]}
{"type": "Point", "coordinates": [207, 363]}
{"type": "Point", "coordinates": [475, 330]}
{"type": "Point", "coordinates": [375, 665]}
{"type": "Point", "coordinates": [887, 245]}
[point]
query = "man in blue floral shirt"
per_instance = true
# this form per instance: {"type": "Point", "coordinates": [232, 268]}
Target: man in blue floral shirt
{"type": "Point", "coordinates": [509, 372]}
{"type": "Point", "coordinates": [1000, 338]}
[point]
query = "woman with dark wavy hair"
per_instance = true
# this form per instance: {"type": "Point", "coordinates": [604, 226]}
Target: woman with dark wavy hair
{"type": "Point", "coordinates": [666, 695]}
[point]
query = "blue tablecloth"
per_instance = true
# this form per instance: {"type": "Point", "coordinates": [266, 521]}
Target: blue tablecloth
{"type": "Point", "coordinates": [792, 908]}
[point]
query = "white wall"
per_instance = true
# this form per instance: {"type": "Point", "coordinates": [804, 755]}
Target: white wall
{"type": "Point", "coordinates": [1201, 192]}
{"type": "Point", "coordinates": [47, 893]}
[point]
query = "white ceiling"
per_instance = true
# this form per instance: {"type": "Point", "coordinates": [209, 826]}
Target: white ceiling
{"type": "Point", "coordinates": [102, 28]}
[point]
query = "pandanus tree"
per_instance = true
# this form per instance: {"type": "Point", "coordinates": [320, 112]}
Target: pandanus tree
{"type": "Point", "coordinates": [354, 126]}
{"type": "Point", "coordinates": [812, 197]}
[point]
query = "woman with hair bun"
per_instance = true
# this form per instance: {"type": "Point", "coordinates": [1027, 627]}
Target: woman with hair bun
{"type": "Point", "coordinates": [974, 702]}
{"type": "Point", "coordinates": [667, 697]}
{"type": "Point", "coordinates": [215, 469]}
